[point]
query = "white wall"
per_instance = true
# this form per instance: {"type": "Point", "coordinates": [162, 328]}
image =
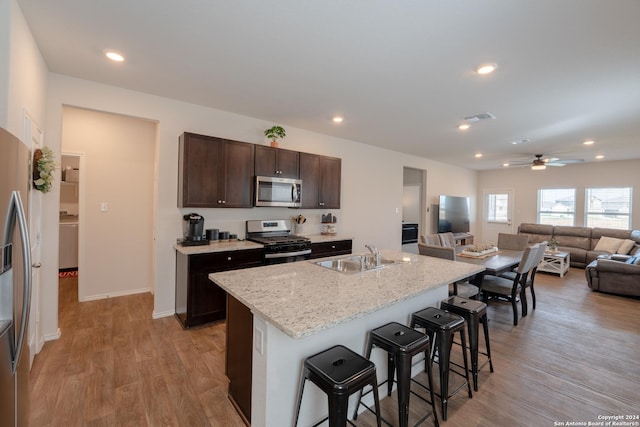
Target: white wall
{"type": "Point", "coordinates": [27, 88]}
{"type": "Point", "coordinates": [526, 184]}
{"type": "Point", "coordinates": [5, 47]}
{"type": "Point", "coordinates": [369, 198]}
{"type": "Point", "coordinates": [115, 246]}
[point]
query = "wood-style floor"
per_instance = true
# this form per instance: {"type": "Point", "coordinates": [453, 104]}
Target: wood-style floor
{"type": "Point", "coordinates": [575, 358]}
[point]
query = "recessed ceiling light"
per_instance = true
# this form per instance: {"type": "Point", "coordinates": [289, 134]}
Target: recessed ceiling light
{"type": "Point", "coordinates": [337, 119]}
{"type": "Point", "coordinates": [478, 155]}
{"type": "Point", "coordinates": [464, 126]}
{"type": "Point", "coordinates": [599, 156]}
{"type": "Point", "coordinates": [486, 68]}
{"type": "Point", "coordinates": [504, 165]}
{"type": "Point", "coordinates": [590, 142]}
{"type": "Point", "coordinates": [114, 56]}
{"type": "Point", "coordinates": [521, 141]}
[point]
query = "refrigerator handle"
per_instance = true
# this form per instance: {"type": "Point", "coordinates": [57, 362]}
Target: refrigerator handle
{"type": "Point", "coordinates": [17, 209]}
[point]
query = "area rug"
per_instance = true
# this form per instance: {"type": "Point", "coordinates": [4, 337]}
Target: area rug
{"type": "Point", "coordinates": [67, 274]}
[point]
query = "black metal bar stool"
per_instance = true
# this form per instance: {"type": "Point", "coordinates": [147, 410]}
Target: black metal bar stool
{"type": "Point", "coordinates": [443, 325]}
{"type": "Point", "coordinates": [339, 372]}
{"type": "Point", "coordinates": [401, 344]}
{"type": "Point", "coordinates": [474, 312]}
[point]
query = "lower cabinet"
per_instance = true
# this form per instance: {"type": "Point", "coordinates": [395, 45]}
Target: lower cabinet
{"type": "Point", "coordinates": [334, 248]}
{"type": "Point", "coordinates": [198, 299]}
{"type": "Point", "coordinates": [239, 356]}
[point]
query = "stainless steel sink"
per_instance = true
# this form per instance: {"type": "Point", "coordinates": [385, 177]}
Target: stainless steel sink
{"type": "Point", "coordinates": [355, 263]}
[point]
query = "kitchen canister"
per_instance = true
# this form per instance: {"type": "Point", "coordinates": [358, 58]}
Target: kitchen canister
{"type": "Point", "coordinates": [213, 234]}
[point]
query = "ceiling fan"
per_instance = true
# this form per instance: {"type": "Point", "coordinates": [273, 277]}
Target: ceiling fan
{"type": "Point", "coordinates": [540, 163]}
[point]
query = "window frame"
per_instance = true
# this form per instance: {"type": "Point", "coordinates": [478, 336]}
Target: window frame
{"type": "Point", "coordinates": [540, 213]}
{"type": "Point", "coordinates": [590, 214]}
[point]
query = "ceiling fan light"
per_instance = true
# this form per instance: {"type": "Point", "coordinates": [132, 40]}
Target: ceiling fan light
{"type": "Point", "coordinates": [538, 167]}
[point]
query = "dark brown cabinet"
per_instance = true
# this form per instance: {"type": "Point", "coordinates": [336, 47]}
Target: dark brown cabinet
{"type": "Point", "coordinates": [321, 180]}
{"type": "Point", "coordinates": [325, 249]}
{"type": "Point", "coordinates": [198, 299]}
{"type": "Point", "coordinates": [238, 358]}
{"type": "Point", "coordinates": [276, 162]}
{"type": "Point", "coordinates": [214, 172]}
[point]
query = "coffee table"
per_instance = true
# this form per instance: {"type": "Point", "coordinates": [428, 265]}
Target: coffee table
{"type": "Point", "coordinates": [555, 262]}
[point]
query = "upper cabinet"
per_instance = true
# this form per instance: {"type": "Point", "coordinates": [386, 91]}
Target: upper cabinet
{"type": "Point", "coordinates": [321, 178]}
{"type": "Point", "coordinates": [276, 162]}
{"type": "Point", "coordinates": [214, 172]}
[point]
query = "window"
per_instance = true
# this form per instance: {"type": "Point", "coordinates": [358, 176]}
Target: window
{"type": "Point", "coordinates": [608, 207]}
{"type": "Point", "coordinates": [557, 206]}
{"type": "Point", "coordinates": [498, 207]}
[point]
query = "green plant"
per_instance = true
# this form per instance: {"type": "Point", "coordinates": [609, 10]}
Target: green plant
{"type": "Point", "coordinates": [43, 168]}
{"type": "Point", "coordinates": [275, 132]}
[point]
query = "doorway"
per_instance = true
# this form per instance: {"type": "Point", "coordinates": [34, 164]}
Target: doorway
{"type": "Point", "coordinates": [414, 208]}
{"type": "Point", "coordinates": [497, 214]}
{"type": "Point", "coordinates": [116, 200]}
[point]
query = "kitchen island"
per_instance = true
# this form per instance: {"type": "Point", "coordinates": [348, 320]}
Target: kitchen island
{"type": "Point", "coordinates": [301, 308]}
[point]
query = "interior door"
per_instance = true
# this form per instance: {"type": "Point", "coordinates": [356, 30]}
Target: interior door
{"type": "Point", "coordinates": [497, 214]}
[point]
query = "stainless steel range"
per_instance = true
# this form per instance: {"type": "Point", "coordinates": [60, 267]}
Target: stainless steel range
{"type": "Point", "coordinates": [279, 245]}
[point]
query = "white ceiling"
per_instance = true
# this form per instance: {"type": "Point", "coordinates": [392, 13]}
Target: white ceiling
{"type": "Point", "coordinates": [399, 72]}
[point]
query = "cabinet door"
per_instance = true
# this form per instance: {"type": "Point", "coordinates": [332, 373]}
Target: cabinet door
{"type": "Point", "coordinates": [238, 172]}
{"type": "Point", "coordinates": [331, 169]}
{"type": "Point", "coordinates": [266, 161]}
{"type": "Point", "coordinates": [199, 175]}
{"type": "Point", "coordinates": [288, 163]}
{"type": "Point", "coordinates": [206, 300]}
{"type": "Point", "coordinates": [310, 176]}
{"type": "Point", "coordinates": [276, 162]}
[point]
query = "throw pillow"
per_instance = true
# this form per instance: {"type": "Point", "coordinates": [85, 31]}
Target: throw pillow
{"type": "Point", "coordinates": [608, 244]}
{"type": "Point", "coordinates": [626, 246]}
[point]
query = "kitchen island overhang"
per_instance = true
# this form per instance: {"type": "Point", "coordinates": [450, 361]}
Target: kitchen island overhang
{"type": "Point", "coordinates": [301, 308]}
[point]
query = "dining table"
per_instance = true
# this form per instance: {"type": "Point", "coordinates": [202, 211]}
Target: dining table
{"type": "Point", "coordinates": [495, 264]}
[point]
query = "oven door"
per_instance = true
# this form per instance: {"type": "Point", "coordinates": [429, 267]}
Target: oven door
{"type": "Point", "coordinates": [282, 257]}
{"type": "Point", "coordinates": [281, 192]}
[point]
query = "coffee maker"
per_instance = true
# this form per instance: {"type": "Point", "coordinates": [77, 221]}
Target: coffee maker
{"type": "Point", "coordinates": [193, 230]}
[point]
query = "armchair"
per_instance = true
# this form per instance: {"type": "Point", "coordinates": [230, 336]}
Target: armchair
{"type": "Point", "coordinates": [615, 277]}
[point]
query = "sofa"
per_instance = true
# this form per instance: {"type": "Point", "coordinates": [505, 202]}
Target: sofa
{"type": "Point", "coordinates": [615, 275]}
{"type": "Point", "coordinates": [583, 242]}
{"type": "Point", "coordinates": [610, 266]}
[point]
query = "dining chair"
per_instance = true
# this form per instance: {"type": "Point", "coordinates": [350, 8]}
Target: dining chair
{"type": "Point", "coordinates": [516, 242]}
{"type": "Point", "coordinates": [447, 239]}
{"type": "Point", "coordinates": [509, 289]}
{"type": "Point", "coordinates": [430, 239]}
{"type": "Point", "coordinates": [542, 247]}
{"type": "Point", "coordinates": [460, 288]}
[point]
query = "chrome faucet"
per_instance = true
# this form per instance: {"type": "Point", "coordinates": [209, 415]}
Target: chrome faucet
{"type": "Point", "coordinates": [376, 254]}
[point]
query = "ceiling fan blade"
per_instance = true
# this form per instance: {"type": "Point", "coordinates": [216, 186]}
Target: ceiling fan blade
{"type": "Point", "coordinates": [568, 161]}
{"type": "Point", "coordinates": [554, 164]}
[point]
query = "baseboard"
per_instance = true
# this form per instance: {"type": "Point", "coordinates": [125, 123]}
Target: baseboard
{"type": "Point", "coordinates": [160, 314]}
{"type": "Point", "coordinates": [51, 337]}
{"type": "Point", "coordinates": [115, 294]}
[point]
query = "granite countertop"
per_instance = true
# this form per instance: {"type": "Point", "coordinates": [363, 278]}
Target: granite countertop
{"type": "Point", "coordinates": [303, 298]}
{"type": "Point", "coordinates": [239, 245]}
{"type": "Point", "coordinates": [232, 245]}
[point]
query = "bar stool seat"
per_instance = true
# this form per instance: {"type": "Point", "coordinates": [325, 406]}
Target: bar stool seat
{"type": "Point", "coordinates": [442, 326]}
{"type": "Point", "coordinates": [474, 312]}
{"type": "Point", "coordinates": [401, 344]}
{"type": "Point", "coordinates": [339, 372]}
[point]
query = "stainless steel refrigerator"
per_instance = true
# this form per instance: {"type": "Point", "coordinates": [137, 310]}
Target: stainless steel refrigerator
{"type": "Point", "coordinates": [15, 281]}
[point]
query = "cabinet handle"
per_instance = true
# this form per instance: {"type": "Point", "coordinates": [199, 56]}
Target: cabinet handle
{"type": "Point", "coordinates": [222, 202]}
{"type": "Point", "coordinates": [228, 258]}
{"type": "Point", "coordinates": [321, 203]}
{"type": "Point", "coordinates": [333, 246]}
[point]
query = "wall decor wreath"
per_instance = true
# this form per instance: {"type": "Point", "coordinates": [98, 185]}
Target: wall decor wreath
{"type": "Point", "coordinates": [43, 168]}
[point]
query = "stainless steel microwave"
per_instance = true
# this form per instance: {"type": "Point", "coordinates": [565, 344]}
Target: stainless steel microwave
{"type": "Point", "coordinates": [282, 192]}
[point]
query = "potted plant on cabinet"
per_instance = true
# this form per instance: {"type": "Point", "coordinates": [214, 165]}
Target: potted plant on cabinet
{"type": "Point", "coordinates": [274, 133]}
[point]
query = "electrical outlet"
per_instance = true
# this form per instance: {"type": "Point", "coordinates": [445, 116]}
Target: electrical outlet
{"type": "Point", "coordinates": [104, 207]}
{"type": "Point", "coordinates": [258, 340]}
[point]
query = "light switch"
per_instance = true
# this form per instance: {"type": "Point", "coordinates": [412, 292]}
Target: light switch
{"type": "Point", "coordinates": [104, 207]}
